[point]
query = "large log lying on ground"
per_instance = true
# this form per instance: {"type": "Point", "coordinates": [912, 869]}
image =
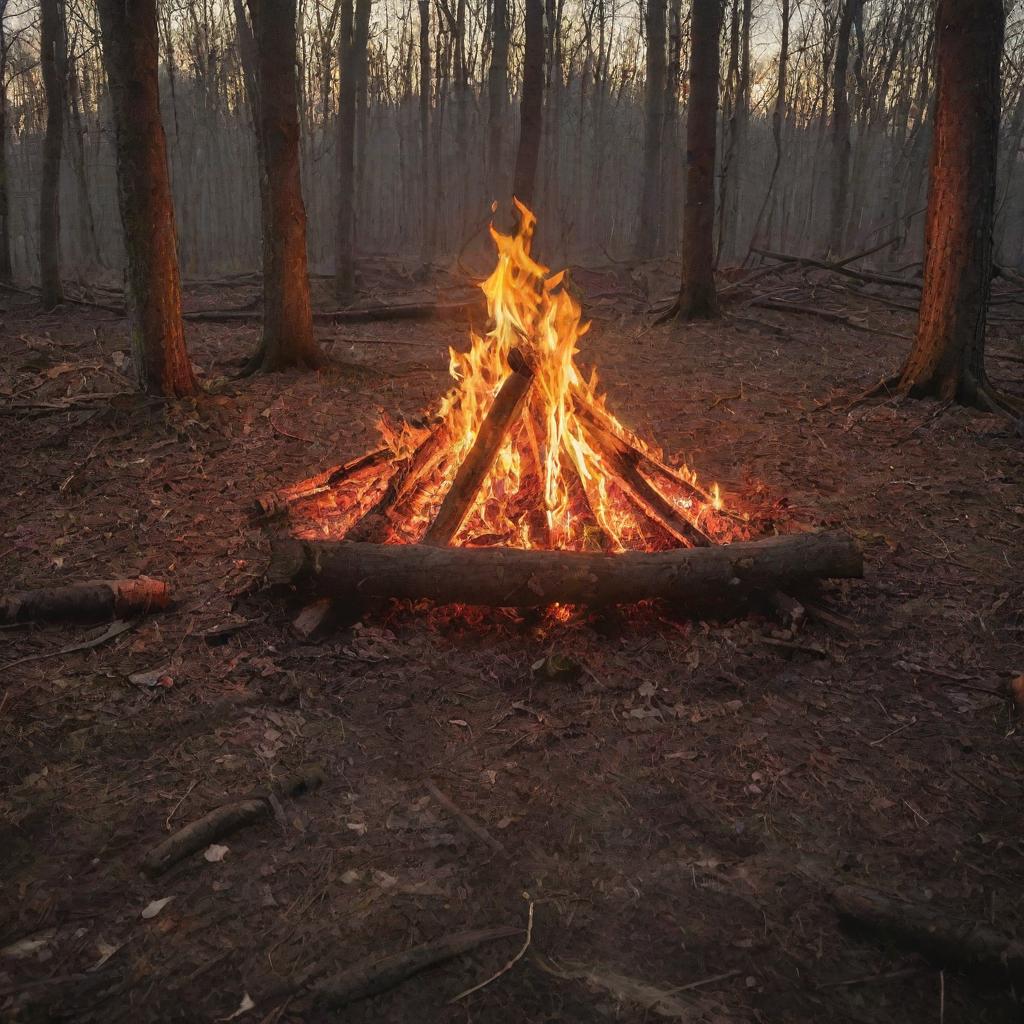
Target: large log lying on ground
{"type": "Point", "coordinates": [86, 602]}
{"type": "Point", "coordinates": [511, 577]}
{"type": "Point", "coordinates": [974, 947]}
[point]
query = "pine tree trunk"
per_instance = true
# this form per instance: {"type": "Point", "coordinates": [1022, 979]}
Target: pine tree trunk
{"type": "Point", "coordinates": [287, 314]}
{"type": "Point", "coordinates": [697, 297]}
{"type": "Point", "coordinates": [654, 123]}
{"type": "Point", "coordinates": [53, 61]}
{"type": "Point", "coordinates": [531, 106]}
{"type": "Point", "coordinates": [130, 53]}
{"type": "Point", "coordinates": [947, 361]}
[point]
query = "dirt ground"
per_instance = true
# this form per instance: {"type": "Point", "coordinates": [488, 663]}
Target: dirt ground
{"type": "Point", "coordinates": [677, 804]}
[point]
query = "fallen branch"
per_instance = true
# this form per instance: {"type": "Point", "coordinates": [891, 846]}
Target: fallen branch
{"type": "Point", "coordinates": [841, 268]}
{"type": "Point", "coordinates": [973, 947]}
{"type": "Point", "coordinates": [511, 577]}
{"type": "Point", "coordinates": [465, 820]}
{"type": "Point", "coordinates": [86, 602]}
{"type": "Point", "coordinates": [226, 819]}
{"type": "Point", "coordinates": [371, 977]}
{"type": "Point", "coordinates": [823, 314]}
{"type": "Point", "coordinates": [361, 315]}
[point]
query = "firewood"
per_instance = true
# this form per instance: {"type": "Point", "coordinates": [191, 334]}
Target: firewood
{"type": "Point", "coordinates": [511, 577]}
{"type": "Point", "coordinates": [226, 819]}
{"type": "Point", "coordinates": [275, 503]}
{"type": "Point", "coordinates": [477, 463]}
{"type": "Point", "coordinates": [86, 602]}
{"type": "Point", "coordinates": [621, 462]}
{"type": "Point", "coordinates": [974, 947]}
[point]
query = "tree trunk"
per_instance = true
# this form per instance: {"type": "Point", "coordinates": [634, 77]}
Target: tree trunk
{"type": "Point", "coordinates": [130, 53]}
{"type": "Point", "coordinates": [841, 130]}
{"type": "Point", "coordinates": [6, 270]}
{"type": "Point", "coordinates": [351, 53]}
{"type": "Point", "coordinates": [497, 98]}
{"type": "Point", "coordinates": [654, 124]}
{"type": "Point", "coordinates": [948, 357]}
{"type": "Point", "coordinates": [531, 105]}
{"type": "Point", "coordinates": [697, 297]}
{"type": "Point", "coordinates": [427, 212]}
{"type": "Point", "coordinates": [53, 60]}
{"type": "Point", "coordinates": [287, 315]}
{"type": "Point", "coordinates": [700, 577]}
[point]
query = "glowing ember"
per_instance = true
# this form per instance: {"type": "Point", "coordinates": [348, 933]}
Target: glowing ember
{"type": "Point", "coordinates": [566, 473]}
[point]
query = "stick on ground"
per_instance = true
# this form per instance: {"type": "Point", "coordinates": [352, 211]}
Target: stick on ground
{"type": "Point", "coordinates": [224, 820]}
{"type": "Point", "coordinates": [371, 977]}
{"type": "Point", "coordinates": [86, 602]}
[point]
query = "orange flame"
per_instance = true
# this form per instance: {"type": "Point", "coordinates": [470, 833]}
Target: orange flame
{"type": "Point", "coordinates": [549, 485]}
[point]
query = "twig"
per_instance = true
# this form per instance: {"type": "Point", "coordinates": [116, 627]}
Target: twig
{"type": "Point", "coordinates": [519, 956]}
{"type": "Point", "coordinates": [882, 739]}
{"type": "Point", "coordinates": [465, 820]}
{"type": "Point", "coordinates": [113, 630]}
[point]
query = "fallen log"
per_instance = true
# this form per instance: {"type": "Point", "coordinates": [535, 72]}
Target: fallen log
{"type": "Point", "coordinates": [478, 461]}
{"type": "Point", "coordinates": [361, 315]}
{"type": "Point", "coordinates": [510, 577]}
{"type": "Point", "coordinates": [372, 976]}
{"type": "Point", "coordinates": [224, 820]}
{"type": "Point", "coordinates": [86, 602]}
{"type": "Point", "coordinates": [974, 947]}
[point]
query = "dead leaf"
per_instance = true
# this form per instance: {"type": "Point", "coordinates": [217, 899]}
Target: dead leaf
{"type": "Point", "coordinates": [106, 951]}
{"type": "Point", "coordinates": [154, 908]}
{"type": "Point", "coordinates": [214, 853]}
{"type": "Point", "coordinates": [244, 1006]}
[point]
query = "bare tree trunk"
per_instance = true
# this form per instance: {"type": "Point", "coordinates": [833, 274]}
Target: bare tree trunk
{"type": "Point", "coordinates": [778, 118]}
{"type": "Point", "coordinates": [697, 296]}
{"type": "Point", "coordinates": [351, 55]}
{"type": "Point", "coordinates": [841, 130]}
{"type": "Point", "coordinates": [531, 106]}
{"type": "Point", "coordinates": [53, 59]}
{"type": "Point", "coordinates": [948, 358]}
{"type": "Point", "coordinates": [497, 98]}
{"type": "Point", "coordinates": [287, 315]}
{"type": "Point", "coordinates": [131, 55]}
{"type": "Point", "coordinates": [86, 221]}
{"type": "Point", "coordinates": [6, 270]}
{"type": "Point", "coordinates": [426, 203]}
{"type": "Point", "coordinates": [654, 124]}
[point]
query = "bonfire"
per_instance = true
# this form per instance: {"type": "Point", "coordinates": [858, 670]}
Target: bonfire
{"type": "Point", "coordinates": [522, 455]}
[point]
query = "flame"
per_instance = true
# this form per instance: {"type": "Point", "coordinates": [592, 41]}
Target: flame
{"type": "Point", "coordinates": [550, 484]}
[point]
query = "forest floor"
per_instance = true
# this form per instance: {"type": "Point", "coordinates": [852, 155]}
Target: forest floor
{"type": "Point", "coordinates": [678, 808]}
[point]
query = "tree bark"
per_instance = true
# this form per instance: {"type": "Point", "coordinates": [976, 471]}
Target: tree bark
{"type": "Point", "coordinates": [130, 53]}
{"type": "Point", "coordinates": [427, 212]}
{"type": "Point", "coordinates": [654, 123]}
{"type": "Point", "coordinates": [841, 130]}
{"type": "Point", "coordinates": [53, 61]}
{"type": "Point", "coordinates": [6, 270]}
{"type": "Point", "coordinates": [287, 315]}
{"type": "Point", "coordinates": [497, 98]}
{"type": "Point", "coordinates": [355, 24]}
{"type": "Point", "coordinates": [948, 357]}
{"type": "Point", "coordinates": [516, 578]}
{"type": "Point", "coordinates": [697, 297]}
{"type": "Point", "coordinates": [531, 105]}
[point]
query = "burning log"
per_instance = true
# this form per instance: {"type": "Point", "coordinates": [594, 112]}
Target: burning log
{"type": "Point", "coordinates": [86, 602]}
{"type": "Point", "coordinates": [275, 503]}
{"type": "Point", "coordinates": [475, 467]}
{"type": "Point", "coordinates": [512, 577]}
{"type": "Point", "coordinates": [621, 461]}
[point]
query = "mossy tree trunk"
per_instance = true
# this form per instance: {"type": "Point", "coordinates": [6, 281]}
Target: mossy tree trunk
{"type": "Point", "coordinates": [287, 314]}
{"type": "Point", "coordinates": [130, 54]}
